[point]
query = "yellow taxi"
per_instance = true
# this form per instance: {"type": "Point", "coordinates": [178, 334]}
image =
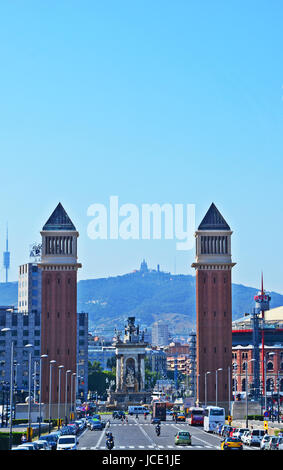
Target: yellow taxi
{"type": "Point", "coordinates": [231, 443]}
{"type": "Point", "coordinates": [181, 417]}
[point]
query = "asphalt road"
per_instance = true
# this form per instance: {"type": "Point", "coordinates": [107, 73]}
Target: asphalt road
{"type": "Point", "coordinates": [139, 434]}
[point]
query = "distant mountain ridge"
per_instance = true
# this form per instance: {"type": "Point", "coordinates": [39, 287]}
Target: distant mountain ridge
{"type": "Point", "coordinates": [148, 296]}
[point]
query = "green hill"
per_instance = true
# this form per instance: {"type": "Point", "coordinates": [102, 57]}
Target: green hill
{"type": "Point", "coordinates": [148, 296]}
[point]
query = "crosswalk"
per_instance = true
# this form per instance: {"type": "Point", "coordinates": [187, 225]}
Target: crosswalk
{"type": "Point", "coordinates": [145, 424]}
{"type": "Point", "coordinates": [149, 447]}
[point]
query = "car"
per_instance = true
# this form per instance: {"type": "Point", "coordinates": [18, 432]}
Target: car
{"type": "Point", "coordinates": [51, 439]}
{"type": "Point", "coordinates": [234, 429]}
{"type": "Point", "coordinates": [21, 447]}
{"type": "Point", "coordinates": [96, 416]}
{"type": "Point", "coordinates": [181, 417]}
{"type": "Point", "coordinates": [231, 443]}
{"type": "Point", "coordinates": [28, 445]}
{"type": "Point", "coordinates": [254, 437]}
{"type": "Point", "coordinates": [239, 432]}
{"type": "Point", "coordinates": [183, 438]}
{"type": "Point", "coordinates": [67, 442]}
{"type": "Point", "coordinates": [280, 444]}
{"type": "Point", "coordinates": [264, 441]}
{"type": "Point", "coordinates": [74, 428]}
{"type": "Point", "coordinates": [81, 424]}
{"type": "Point", "coordinates": [273, 443]}
{"type": "Point", "coordinates": [244, 436]}
{"type": "Point", "coordinates": [96, 425]}
{"type": "Point", "coordinates": [155, 420]}
{"type": "Point", "coordinates": [65, 430]}
{"type": "Point", "coordinates": [226, 431]}
{"type": "Point", "coordinates": [41, 444]}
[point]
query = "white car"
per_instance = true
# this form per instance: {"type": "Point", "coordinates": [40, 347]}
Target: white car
{"type": "Point", "coordinates": [264, 441]}
{"type": "Point", "coordinates": [280, 443]}
{"type": "Point", "coordinates": [244, 437]}
{"type": "Point", "coordinates": [255, 436]}
{"type": "Point", "coordinates": [239, 432]}
{"type": "Point", "coordinates": [26, 446]}
{"type": "Point", "coordinates": [67, 442]}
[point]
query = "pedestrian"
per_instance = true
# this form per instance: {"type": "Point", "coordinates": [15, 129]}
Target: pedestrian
{"type": "Point", "coordinates": [24, 438]}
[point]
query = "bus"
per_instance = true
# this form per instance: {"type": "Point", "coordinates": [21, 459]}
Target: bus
{"type": "Point", "coordinates": [213, 417]}
{"type": "Point", "coordinates": [195, 416]}
{"type": "Point", "coordinates": [159, 410]}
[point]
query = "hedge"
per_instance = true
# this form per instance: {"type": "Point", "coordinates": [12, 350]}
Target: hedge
{"type": "Point", "coordinates": [4, 439]}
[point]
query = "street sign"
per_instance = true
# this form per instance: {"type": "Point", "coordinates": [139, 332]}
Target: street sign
{"type": "Point", "coordinates": [265, 425]}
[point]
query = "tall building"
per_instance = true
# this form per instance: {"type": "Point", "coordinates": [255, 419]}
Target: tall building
{"type": "Point", "coordinates": [213, 264]}
{"type": "Point", "coordinates": [59, 267]}
{"type": "Point", "coordinates": [29, 289]}
{"type": "Point", "coordinates": [160, 334]}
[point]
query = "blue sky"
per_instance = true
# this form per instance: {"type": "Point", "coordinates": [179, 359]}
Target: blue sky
{"type": "Point", "coordinates": [152, 101]}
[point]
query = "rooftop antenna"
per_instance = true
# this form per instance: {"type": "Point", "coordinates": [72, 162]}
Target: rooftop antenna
{"type": "Point", "coordinates": [6, 257]}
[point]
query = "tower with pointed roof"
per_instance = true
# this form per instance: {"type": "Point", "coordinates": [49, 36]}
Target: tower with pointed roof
{"type": "Point", "coordinates": [59, 265]}
{"type": "Point", "coordinates": [213, 264]}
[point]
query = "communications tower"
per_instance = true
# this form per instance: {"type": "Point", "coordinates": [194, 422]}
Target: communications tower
{"type": "Point", "coordinates": [6, 258]}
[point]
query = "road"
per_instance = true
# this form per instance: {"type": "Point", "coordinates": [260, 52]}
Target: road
{"type": "Point", "coordinates": [139, 434]}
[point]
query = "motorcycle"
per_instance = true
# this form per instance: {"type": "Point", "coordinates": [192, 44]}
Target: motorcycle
{"type": "Point", "coordinates": [109, 444]}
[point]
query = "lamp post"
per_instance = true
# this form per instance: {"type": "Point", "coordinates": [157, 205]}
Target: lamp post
{"type": "Point", "coordinates": [265, 377]}
{"type": "Point", "coordinates": [72, 376]}
{"type": "Point", "coordinates": [197, 393]}
{"type": "Point", "coordinates": [216, 385]}
{"type": "Point", "coordinates": [50, 391]}
{"type": "Point", "coordinates": [11, 389]}
{"type": "Point", "coordinates": [66, 391]}
{"type": "Point", "coordinates": [29, 393]}
{"type": "Point", "coordinates": [205, 388]}
{"type": "Point", "coordinates": [247, 390]}
{"type": "Point", "coordinates": [59, 394]}
{"type": "Point", "coordinates": [229, 391]}
{"type": "Point", "coordinates": [43, 356]}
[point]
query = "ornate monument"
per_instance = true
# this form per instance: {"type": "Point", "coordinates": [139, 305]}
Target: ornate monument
{"type": "Point", "coordinates": [130, 370]}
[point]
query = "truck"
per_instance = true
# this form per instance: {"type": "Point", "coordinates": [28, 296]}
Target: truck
{"type": "Point", "coordinates": [159, 410]}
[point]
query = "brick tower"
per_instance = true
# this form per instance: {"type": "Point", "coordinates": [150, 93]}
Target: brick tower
{"type": "Point", "coordinates": [213, 266]}
{"type": "Point", "coordinates": [59, 301]}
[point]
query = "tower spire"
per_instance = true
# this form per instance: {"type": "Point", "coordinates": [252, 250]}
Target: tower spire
{"type": "Point", "coordinates": [6, 256]}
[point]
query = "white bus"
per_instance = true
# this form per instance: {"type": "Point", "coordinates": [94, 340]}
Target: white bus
{"type": "Point", "coordinates": [213, 417]}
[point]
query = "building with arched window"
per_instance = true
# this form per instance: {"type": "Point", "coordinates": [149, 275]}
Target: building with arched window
{"type": "Point", "coordinates": [243, 352]}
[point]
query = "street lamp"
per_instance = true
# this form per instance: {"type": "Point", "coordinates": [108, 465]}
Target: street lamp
{"type": "Point", "coordinates": [216, 385]}
{"type": "Point", "coordinates": [11, 389]}
{"type": "Point", "coordinates": [29, 346]}
{"type": "Point", "coordinates": [229, 391]}
{"type": "Point", "coordinates": [73, 375]}
{"type": "Point", "coordinates": [59, 394]}
{"type": "Point", "coordinates": [43, 356]}
{"type": "Point", "coordinates": [247, 390]}
{"type": "Point", "coordinates": [265, 372]}
{"type": "Point", "coordinates": [205, 387]}
{"type": "Point", "coordinates": [66, 390]}
{"type": "Point", "coordinates": [50, 390]}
